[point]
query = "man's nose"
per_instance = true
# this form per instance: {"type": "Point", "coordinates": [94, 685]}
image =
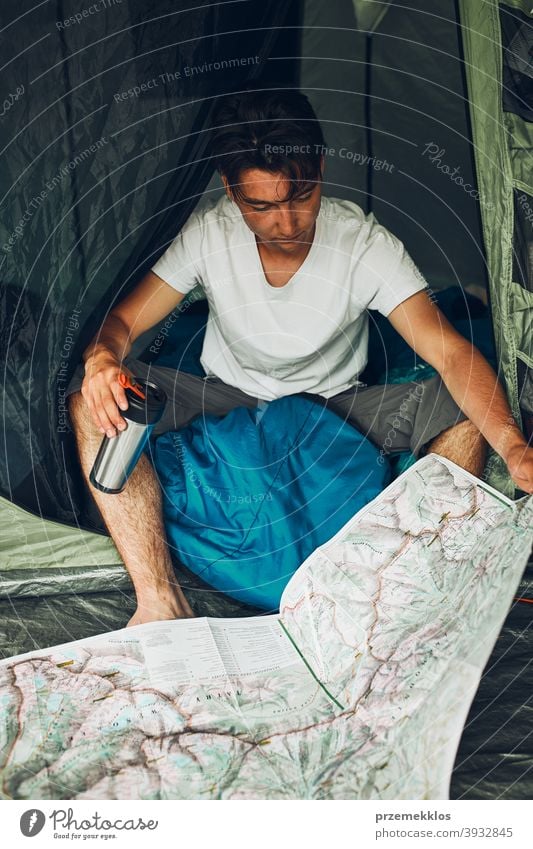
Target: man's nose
{"type": "Point", "coordinates": [287, 222]}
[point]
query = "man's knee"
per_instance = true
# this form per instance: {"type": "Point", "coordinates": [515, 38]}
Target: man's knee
{"type": "Point", "coordinates": [464, 444]}
{"type": "Point", "coordinates": [76, 405]}
{"type": "Point", "coordinates": [461, 433]}
{"type": "Point", "coordinates": [79, 414]}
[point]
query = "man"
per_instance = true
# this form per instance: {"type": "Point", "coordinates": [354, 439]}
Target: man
{"type": "Point", "coordinates": [288, 275]}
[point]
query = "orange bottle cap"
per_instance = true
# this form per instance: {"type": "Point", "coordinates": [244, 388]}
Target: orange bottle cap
{"type": "Point", "coordinates": [127, 383]}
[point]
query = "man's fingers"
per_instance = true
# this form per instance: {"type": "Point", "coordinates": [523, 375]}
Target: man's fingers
{"type": "Point", "coordinates": [100, 417]}
{"type": "Point", "coordinates": [106, 398]}
{"type": "Point", "coordinates": [119, 395]}
{"type": "Point", "coordinates": [113, 414]}
{"type": "Point", "coordinates": [93, 412]}
{"type": "Point", "coordinates": [105, 413]}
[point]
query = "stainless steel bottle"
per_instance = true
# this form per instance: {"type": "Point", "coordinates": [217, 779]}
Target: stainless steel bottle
{"type": "Point", "coordinates": [118, 455]}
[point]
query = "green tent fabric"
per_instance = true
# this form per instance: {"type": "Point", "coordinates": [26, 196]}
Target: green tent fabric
{"type": "Point", "coordinates": [503, 143]}
{"type": "Point", "coordinates": [59, 582]}
{"type": "Point", "coordinates": [37, 555]}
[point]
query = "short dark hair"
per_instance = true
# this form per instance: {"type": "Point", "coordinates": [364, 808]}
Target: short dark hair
{"type": "Point", "coordinates": [275, 131]}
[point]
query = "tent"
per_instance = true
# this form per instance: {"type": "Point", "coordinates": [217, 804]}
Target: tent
{"type": "Point", "coordinates": [428, 122]}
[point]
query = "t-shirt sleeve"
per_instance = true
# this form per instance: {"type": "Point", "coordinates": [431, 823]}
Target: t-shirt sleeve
{"type": "Point", "coordinates": [180, 265]}
{"type": "Point", "coordinates": [388, 273]}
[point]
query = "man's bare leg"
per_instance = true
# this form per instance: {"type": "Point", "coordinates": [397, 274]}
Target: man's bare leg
{"type": "Point", "coordinates": [135, 521]}
{"type": "Point", "coordinates": [462, 444]}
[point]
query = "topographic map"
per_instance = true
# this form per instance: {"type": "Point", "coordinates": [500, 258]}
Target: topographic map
{"type": "Point", "coordinates": [358, 689]}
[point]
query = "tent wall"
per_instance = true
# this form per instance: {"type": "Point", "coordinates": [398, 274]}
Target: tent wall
{"type": "Point", "coordinates": [496, 39]}
{"type": "Point", "coordinates": [104, 155]}
{"type": "Point", "coordinates": [396, 95]}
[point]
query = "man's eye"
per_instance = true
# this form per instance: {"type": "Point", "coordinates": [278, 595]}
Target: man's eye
{"type": "Point", "coordinates": [299, 199]}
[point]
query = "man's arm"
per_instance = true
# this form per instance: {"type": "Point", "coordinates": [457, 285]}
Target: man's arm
{"type": "Point", "coordinates": [471, 381]}
{"type": "Point", "coordinates": [150, 301]}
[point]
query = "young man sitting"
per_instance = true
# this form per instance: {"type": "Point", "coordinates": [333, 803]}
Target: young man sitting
{"type": "Point", "coordinates": [289, 276]}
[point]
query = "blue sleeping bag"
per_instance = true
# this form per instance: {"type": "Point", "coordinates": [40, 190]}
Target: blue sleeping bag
{"type": "Point", "coordinates": [248, 496]}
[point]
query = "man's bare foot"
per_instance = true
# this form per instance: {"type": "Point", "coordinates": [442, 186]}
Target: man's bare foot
{"type": "Point", "coordinates": [156, 610]}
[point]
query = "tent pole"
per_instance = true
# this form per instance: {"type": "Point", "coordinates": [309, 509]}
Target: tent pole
{"type": "Point", "coordinates": [368, 119]}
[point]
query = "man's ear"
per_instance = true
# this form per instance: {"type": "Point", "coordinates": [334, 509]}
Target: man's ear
{"type": "Point", "coordinates": [226, 186]}
{"type": "Point", "coordinates": [322, 163]}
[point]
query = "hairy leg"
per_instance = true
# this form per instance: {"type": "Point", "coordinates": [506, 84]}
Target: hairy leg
{"type": "Point", "coordinates": [462, 444]}
{"type": "Point", "coordinates": [135, 521]}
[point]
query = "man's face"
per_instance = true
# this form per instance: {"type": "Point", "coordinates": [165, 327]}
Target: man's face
{"type": "Point", "coordinates": [284, 224]}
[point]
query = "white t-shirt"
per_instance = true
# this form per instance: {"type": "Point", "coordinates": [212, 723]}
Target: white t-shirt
{"type": "Point", "coordinates": [310, 335]}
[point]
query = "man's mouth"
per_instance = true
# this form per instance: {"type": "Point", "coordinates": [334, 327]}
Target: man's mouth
{"type": "Point", "coordinates": [291, 239]}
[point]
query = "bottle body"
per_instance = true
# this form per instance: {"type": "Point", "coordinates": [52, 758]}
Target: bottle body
{"type": "Point", "coordinates": [118, 455]}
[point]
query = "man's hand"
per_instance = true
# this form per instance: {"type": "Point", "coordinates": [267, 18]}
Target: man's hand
{"type": "Point", "coordinates": [520, 464]}
{"type": "Point", "coordinates": [151, 300]}
{"type": "Point", "coordinates": [103, 393]}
